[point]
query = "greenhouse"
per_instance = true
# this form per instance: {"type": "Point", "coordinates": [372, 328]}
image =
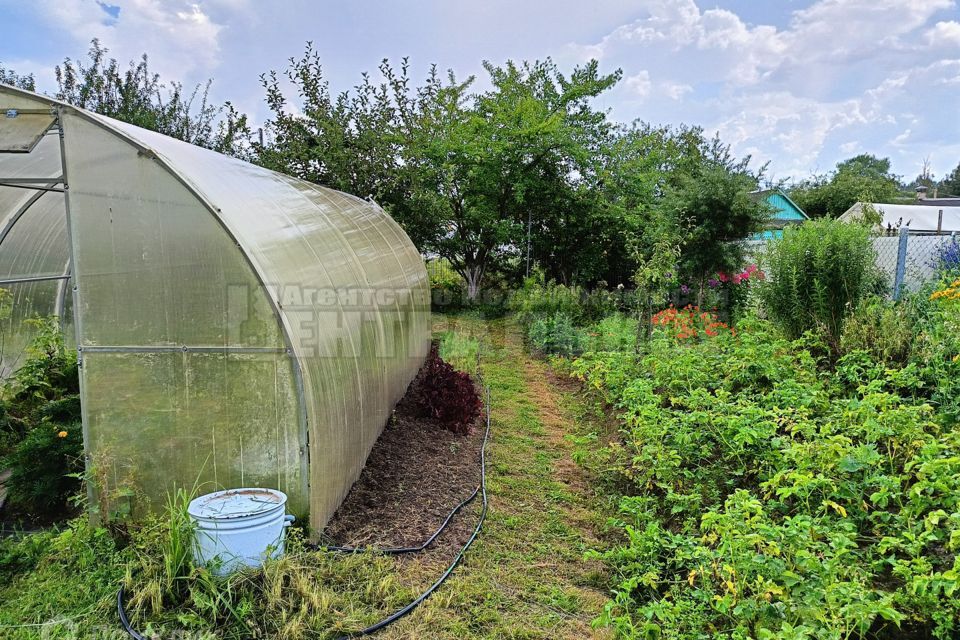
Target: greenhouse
{"type": "Point", "coordinates": [234, 327]}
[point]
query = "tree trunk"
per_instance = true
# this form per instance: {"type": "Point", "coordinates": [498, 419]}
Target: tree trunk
{"type": "Point", "coordinates": [473, 276]}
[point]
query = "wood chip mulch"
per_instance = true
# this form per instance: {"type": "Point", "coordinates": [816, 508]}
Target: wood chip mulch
{"type": "Point", "coordinates": [415, 475]}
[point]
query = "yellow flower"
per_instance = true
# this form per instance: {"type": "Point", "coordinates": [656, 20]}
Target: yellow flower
{"type": "Point", "coordinates": [62, 434]}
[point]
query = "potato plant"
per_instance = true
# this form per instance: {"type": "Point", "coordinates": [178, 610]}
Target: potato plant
{"type": "Point", "coordinates": [771, 493]}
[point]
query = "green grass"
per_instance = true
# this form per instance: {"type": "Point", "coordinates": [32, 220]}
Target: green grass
{"type": "Point", "coordinates": [460, 349]}
{"type": "Point", "coordinates": [524, 578]}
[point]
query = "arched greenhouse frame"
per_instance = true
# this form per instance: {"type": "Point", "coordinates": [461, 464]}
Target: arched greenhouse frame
{"type": "Point", "coordinates": [234, 326]}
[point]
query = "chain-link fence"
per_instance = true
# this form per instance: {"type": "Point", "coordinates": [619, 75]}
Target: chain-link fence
{"type": "Point", "coordinates": [440, 270]}
{"type": "Point", "coordinates": [908, 260]}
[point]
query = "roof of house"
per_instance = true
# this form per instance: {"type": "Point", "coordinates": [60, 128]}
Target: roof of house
{"type": "Point", "coordinates": [939, 202]}
{"type": "Point", "coordinates": [785, 209]}
{"type": "Point", "coordinates": [916, 217]}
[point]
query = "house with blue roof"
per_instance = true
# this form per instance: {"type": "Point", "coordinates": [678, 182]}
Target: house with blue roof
{"type": "Point", "coordinates": [785, 212]}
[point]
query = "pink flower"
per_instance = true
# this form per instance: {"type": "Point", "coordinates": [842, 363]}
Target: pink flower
{"type": "Point", "coordinates": [736, 279]}
{"type": "Point", "coordinates": [723, 276]}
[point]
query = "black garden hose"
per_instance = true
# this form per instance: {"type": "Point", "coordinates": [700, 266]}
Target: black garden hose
{"type": "Point", "coordinates": [399, 613]}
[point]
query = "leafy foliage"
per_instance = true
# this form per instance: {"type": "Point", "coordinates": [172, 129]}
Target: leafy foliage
{"type": "Point", "coordinates": [461, 350]}
{"type": "Point", "coordinates": [712, 209]}
{"type": "Point", "coordinates": [447, 292]}
{"type": "Point", "coordinates": [818, 273]}
{"type": "Point", "coordinates": [950, 184]}
{"type": "Point", "coordinates": [40, 422]}
{"type": "Point", "coordinates": [886, 331]}
{"type": "Point", "coordinates": [8, 76]}
{"type": "Point", "coordinates": [766, 497]}
{"type": "Point", "coordinates": [616, 332]}
{"type": "Point", "coordinates": [556, 335]}
{"type": "Point", "coordinates": [44, 468]}
{"type": "Point", "coordinates": [466, 174]}
{"type": "Point", "coordinates": [538, 299]}
{"type": "Point", "coordinates": [863, 178]}
{"type": "Point", "coordinates": [136, 95]}
{"type": "Point", "coordinates": [447, 395]}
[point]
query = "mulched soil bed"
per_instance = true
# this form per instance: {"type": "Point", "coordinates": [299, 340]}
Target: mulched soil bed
{"type": "Point", "coordinates": [415, 475]}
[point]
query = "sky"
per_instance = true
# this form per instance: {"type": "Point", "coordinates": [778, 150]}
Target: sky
{"type": "Point", "coordinates": [801, 84]}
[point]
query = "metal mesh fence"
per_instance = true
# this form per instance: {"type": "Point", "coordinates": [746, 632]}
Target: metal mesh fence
{"type": "Point", "coordinates": [910, 260]}
{"type": "Point", "coordinates": [906, 260]}
{"type": "Point", "coordinates": [440, 270]}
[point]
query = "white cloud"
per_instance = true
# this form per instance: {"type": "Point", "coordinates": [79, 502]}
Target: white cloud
{"type": "Point", "coordinates": [781, 124]}
{"type": "Point", "coordinates": [675, 90]}
{"type": "Point", "coordinates": [834, 71]}
{"type": "Point", "coordinates": [902, 138]}
{"type": "Point", "coordinates": [945, 34]}
{"type": "Point", "coordinates": [850, 148]}
{"type": "Point", "coordinates": [639, 84]}
{"type": "Point", "coordinates": [179, 35]}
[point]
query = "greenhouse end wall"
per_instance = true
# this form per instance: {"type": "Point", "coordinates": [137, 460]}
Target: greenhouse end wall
{"type": "Point", "coordinates": [234, 326]}
{"type": "Point", "coordinates": [181, 385]}
{"type": "Point", "coordinates": [241, 327]}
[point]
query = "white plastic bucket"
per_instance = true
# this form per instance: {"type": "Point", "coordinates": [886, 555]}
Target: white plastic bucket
{"type": "Point", "coordinates": [238, 528]}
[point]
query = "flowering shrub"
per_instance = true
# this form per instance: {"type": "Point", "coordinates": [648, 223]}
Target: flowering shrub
{"type": "Point", "coordinates": [950, 292]}
{"type": "Point", "coordinates": [752, 271]}
{"type": "Point", "coordinates": [948, 257]}
{"type": "Point", "coordinates": [690, 323]}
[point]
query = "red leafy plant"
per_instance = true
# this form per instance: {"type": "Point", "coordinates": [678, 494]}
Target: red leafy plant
{"type": "Point", "coordinates": [446, 395]}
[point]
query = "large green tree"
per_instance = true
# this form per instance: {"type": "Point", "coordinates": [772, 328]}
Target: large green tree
{"type": "Point", "coordinates": [467, 174]}
{"type": "Point", "coordinates": [641, 163]}
{"type": "Point", "coordinates": [532, 140]}
{"type": "Point", "coordinates": [708, 208]}
{"type": "Point", "coordinates": [863, 178]}
{"type": "Point", "coordinates": [136, 95]}
{"type": "Point", "coordinates": [950, 184]}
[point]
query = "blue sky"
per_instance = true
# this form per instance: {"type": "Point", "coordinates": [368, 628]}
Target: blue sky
{"type": "Point", "coordinates": [799, 83]}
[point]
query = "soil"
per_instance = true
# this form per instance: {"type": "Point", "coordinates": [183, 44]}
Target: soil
{"type": "Point", "coordinates": [415, 475]}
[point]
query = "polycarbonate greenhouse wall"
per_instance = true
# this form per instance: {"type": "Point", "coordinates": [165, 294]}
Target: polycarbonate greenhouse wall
{"type": "Point", "coordinates": [235, 327]}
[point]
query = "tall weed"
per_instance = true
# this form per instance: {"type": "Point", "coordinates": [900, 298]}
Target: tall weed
{"type": "Point", "coordinates": [817, 274]}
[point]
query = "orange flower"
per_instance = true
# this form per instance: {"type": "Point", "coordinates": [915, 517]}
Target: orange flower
{"type": "Point", "coordinates": [62, 434]}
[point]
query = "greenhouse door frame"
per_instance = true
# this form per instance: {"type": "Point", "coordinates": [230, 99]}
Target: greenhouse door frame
{"type": "Point", "coordinates": [42, 186]}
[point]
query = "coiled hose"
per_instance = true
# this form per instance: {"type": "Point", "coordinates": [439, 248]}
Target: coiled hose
{"type": "Point", "coordinates": [399, 613]}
